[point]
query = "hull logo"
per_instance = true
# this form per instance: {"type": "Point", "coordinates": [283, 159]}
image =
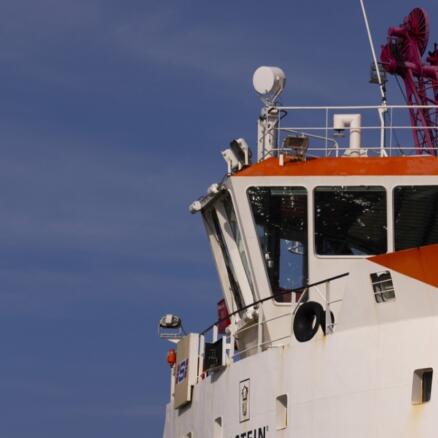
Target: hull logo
{"type": "Point", "coordinates": [181, 372]}
{"type": "Point", "coordinates": [244, 404]}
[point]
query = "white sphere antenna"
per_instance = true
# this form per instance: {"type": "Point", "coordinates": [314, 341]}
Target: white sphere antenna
{"type": "Point", "coordinates": [269, 83]}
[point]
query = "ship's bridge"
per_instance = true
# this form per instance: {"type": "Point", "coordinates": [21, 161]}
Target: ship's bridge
{"type": "Point", "coordinates": [304, 239]}
{"type": "Point", "coordinates": [276, 227]}
{"type": "Point", "coordinates": [326, 234]}
{"type": "Point", "coordinates": [332, 186]}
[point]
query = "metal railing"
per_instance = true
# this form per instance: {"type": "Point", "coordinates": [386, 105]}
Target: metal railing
{"type": "Point", "coordinates": [386, 129]}
{"type": "Point", "coordinates": [260, 323]}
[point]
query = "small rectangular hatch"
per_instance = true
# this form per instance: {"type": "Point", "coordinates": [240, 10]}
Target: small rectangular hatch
{"type": "Point", "coordinates": [422, 386]}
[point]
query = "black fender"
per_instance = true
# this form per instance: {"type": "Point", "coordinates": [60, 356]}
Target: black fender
{"type": "Point", "coordinates": [308, 318]}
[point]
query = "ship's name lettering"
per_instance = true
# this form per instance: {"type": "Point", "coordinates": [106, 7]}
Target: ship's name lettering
{"type": "Point", "coordinates": [256, 433]}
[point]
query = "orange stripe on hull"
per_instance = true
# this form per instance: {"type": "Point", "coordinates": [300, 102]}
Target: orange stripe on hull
{"type": "Point", "coordinates": [422, 165]}
{"type": "Point", "coordinates": [419, 263]}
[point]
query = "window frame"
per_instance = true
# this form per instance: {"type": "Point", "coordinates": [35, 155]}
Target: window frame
{"type": "Point", "coordinates": [308, 192]}
{"type": "Point", "coordinates": [389, 222]}
{"type": "Point", "coordinates": [224, 259]}
{"type": "Point", "coordinates": [393, 225]}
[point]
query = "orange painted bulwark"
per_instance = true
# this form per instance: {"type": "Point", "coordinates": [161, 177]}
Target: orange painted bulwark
{"type": "Point", "coordinates": [419, 263]}
{"type": "Point", "coordinates": [345, 166]}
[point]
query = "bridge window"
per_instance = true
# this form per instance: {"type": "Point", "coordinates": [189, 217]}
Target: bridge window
{"type": "Point", "coordinates": [237, 236]}
{"type": "Point", "coordinates": [234, 285]}
{"type": "Point", "coordinates": [280, 215]}
{"type": "Point", "coordinates": [415, 216]}
{"type": "Point", "coordinates": [350, 220]}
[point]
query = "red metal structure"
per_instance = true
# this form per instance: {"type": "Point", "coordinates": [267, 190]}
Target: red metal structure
{"type": "Point", "coordinates": [402, 56]}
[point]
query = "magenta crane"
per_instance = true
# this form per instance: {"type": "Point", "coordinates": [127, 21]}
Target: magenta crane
{"type": "Point", "coordinates": [402, 56]}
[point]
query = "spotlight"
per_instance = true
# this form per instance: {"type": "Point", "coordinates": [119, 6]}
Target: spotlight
{"type": "Point", "coordinates": [269, 83]}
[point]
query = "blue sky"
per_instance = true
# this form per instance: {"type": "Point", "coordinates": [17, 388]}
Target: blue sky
{"type": "Point", "coordinates": [112, 118]}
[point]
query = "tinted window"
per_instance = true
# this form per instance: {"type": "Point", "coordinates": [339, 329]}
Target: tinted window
{"type": "Point", "coordinates": [350, 220]}
{"type": "Point", "coordinates": [226, 257]}
{"type": "Point", "coordinates": [237, 236]}
{"type": "Point", "coordinates": [280, 215]}
{"type": "Point", "coordinates": [415, 216]}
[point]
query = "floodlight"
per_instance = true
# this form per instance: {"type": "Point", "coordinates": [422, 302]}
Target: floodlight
{"type": "Point", "coordinates": [170, 328]}
{"type": "Point", "coordinates": [297, 146]}
{"type": "Point", "coordinates": [170, 321]}
{"type": "Point", "coordinates": [238, 155]}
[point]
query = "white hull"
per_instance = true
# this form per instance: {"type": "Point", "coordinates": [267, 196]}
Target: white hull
{"type": "Point", "coordinates": [355, 384]}
{"type": "Point", "coordinates": [327, 254]}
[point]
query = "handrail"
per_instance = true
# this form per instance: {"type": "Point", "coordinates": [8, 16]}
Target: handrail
{"type": "Point", "coordinates": [249, 327]}
{"type": "Point", "coordinates": [278, 294]}
{"type": "Point", "coordinates": [353, 107]}
{"type": "Point", "coordinates": [290, 313]}
{"type": "Point", "coordinates": [383, 131]}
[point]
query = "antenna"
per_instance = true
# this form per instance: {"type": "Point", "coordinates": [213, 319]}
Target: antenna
{"type": "Point", "coordinates": [373, 52]}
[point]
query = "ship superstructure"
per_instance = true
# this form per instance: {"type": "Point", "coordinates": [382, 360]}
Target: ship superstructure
{"type": "Point", "coordinates": [327, 252]}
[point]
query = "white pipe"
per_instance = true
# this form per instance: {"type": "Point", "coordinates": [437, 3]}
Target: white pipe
{"type": "Point", "coordinates": [382, 112]}
{"type": "Point", "coordinates": [267, 134]}
{"type": "Point", "coordinates": [353, 121]}
{"type": "Point", "coordinates": [328, 315]}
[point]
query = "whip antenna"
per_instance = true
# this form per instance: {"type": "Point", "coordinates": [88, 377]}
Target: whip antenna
{"type": "Point", "coordinates": [373, 52]}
